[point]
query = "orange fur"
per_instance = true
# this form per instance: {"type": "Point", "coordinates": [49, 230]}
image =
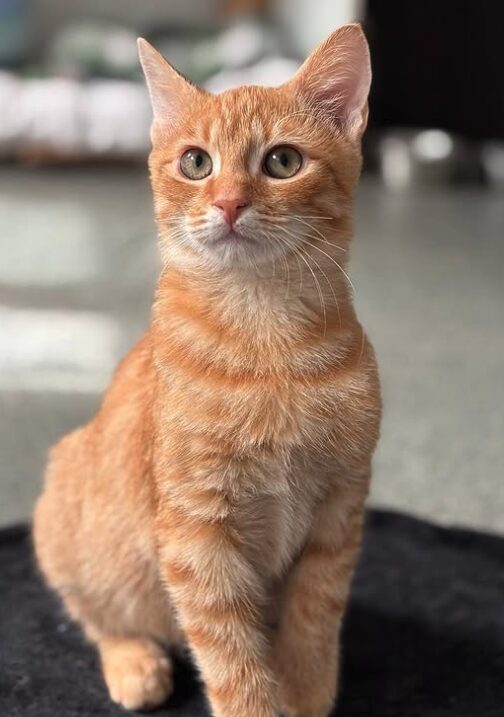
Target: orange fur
{"type": "Point", "coordinates": [216, 499]}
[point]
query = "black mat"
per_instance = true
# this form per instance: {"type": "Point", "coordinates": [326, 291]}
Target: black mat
{"type": "Point", "coordinates": [424, 636]}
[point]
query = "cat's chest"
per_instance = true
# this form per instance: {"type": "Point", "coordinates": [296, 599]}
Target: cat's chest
{"type": "Point", "coordinates": [275, 521]}
{"type": "Point", "coordinates": [272, 411]}
{"type": "Point", "coordinates": [259, 441]}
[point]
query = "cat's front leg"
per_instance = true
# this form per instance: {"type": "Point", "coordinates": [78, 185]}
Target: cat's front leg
{"type": "Point", "coordinates": [218, 597]}
{"type": "Point", "coordinates": [307, 643]}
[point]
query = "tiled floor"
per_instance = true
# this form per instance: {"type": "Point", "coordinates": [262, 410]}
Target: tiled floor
{"type": "Point", "coordinates": [77, 269]}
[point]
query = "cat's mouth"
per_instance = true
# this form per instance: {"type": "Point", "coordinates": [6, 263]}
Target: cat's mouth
{"type": "Point", "coordinates": [241, 243]}
{"type": "Point", "coordinates": [232, 236]}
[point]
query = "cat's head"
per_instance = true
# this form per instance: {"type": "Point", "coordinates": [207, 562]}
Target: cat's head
{"type": "Point", "coordinates": [253, 173]}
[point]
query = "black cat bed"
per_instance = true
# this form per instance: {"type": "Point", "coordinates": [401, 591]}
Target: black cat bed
{"type": "Point", "coordinates": [424, 635]}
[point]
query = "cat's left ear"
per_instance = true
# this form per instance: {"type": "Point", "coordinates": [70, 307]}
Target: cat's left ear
{"type": "Point", "coordinates": [335, 80]}
{"type": "Point", "coordinates": [171, 94]}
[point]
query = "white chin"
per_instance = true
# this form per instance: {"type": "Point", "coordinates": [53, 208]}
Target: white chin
{"type": "Point", "coordinates": [237, 251]}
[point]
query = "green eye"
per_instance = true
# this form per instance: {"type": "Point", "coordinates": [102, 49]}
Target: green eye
{"type": "Point", "coordinates": [196, 164]}
{"type": "Point", "coordinates": [282, 162]}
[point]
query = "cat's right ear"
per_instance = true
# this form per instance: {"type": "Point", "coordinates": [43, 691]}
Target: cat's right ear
{"type": "Point", "coordinates": [169, 91]}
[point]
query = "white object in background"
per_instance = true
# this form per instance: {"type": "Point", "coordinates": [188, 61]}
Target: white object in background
{"type": "Point", "coordinates": [412, 157]}
{"type": "Point", "coordinates": [308, 22]}
{"type": "Point", "coordinates": [492, 155]}
{"type": "Point", "coordinates": [49, 113]}
{"type": "Point", "coordinates": [66, 118]}
{"type": "Point", "coordinates": [396, 164]}
{"type": "Point", "coordinates": [432, 145]}
{"type": "Point", "coordinates": [242, 43]}
{"type": "Point", "coordinates": [10, 125]}
{"type": "Point", "coordinates": [270, 72]}
{"type": "Point", "coordinates": [116, 117]}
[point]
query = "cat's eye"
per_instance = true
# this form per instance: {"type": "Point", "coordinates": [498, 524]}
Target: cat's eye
{"type": "Point", "coordinates": [196, 164]}
{"type": "Point", "coordinates": [282, 162]}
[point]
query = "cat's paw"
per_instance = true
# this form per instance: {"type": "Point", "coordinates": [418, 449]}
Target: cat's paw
{"type": "Point", "coordinates": [138, 674]}
{"type": "Point", "coordinates": [307, 712]}
{"type": "Point", "coordinates": [303, 690]}
{"type": "Point", "coordinates": [304, 703]}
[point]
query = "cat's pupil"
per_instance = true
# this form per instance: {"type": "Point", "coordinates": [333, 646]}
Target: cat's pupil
{"type": "Point", "coordinates": [284, 159]}
{"type": "Point", "coordinates": [198, 161]}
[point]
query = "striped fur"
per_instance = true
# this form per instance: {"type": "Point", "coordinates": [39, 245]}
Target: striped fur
{"type": "Point", "coordinates": [216, 500]}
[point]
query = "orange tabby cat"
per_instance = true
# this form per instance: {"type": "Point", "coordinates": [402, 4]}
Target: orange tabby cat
{"type": "Point", "coordinates": [217, 498]}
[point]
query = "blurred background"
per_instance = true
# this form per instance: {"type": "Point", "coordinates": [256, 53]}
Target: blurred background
{"type": "Point", "coordinates": [78, 257]}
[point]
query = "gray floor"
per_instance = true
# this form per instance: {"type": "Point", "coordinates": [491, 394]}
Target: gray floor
{"type": "Point", "coordinates": [77, 269]}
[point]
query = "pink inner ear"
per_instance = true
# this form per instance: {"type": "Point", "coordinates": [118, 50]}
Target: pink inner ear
{"type": "Point", "coordinates": [336, 78]}
{"type": "Point", "coordinates": [345, 98]}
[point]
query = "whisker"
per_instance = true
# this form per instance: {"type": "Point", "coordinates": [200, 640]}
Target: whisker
{"type": "Point", "coordinates": [331, 287]}
{"type": "Point", "coordinates": [336, 263]}
{"type": "Point", "coordinates": [317, 283]}
{"type": "Point", "coordinates": [317, 231]}
{"type": "Point", "coordinates": [294, 250]}
{"type": "Point", "coordinates": [269, 236]}
{"type": "Point", "coordinates": [323, 274]}
{"type": "Point", "coordinates": [319, 289]}
{"type": "Point", "coordinates": [324, 241]}
{"type": "Point", "coordinates": [317, 216]}
{"type": "Point", "coordinates": [320, 235]}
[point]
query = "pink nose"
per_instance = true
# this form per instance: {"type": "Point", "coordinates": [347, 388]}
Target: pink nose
{"type": "Point", "coordinates": [231, 208]}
